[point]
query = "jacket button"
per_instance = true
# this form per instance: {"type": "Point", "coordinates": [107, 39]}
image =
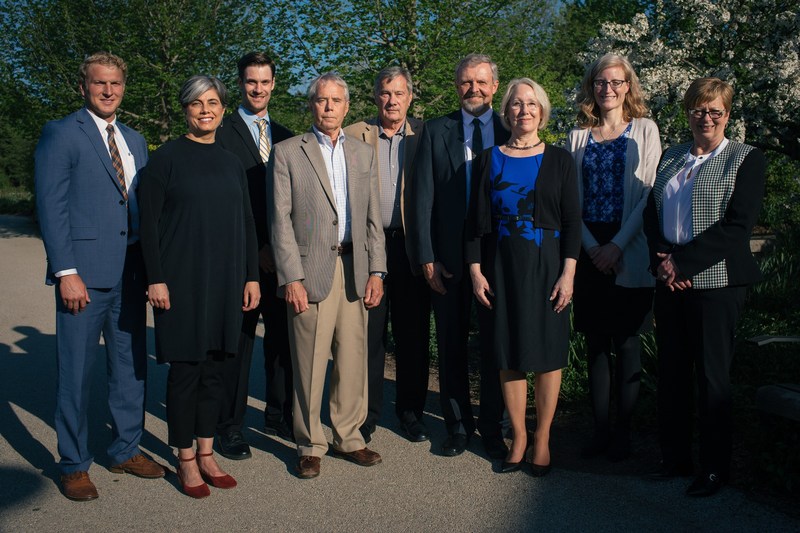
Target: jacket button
{"type": "Point", "coordinates": [122, 202]}
{"type": "Point", "coordinates": [335, 222]}
{"type": "Point", "coordinates": [122, 233]}
{"type": "Point", "coordinates": [333, 247]}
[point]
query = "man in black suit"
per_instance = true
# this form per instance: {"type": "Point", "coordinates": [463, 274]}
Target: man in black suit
{"type": "Point", "coordinates": [250, 134]}
{"type": "Point", "coordinates": [441, 185]}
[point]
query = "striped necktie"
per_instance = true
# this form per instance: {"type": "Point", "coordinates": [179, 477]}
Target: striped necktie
{"type": "Point", "coordinates": [116, 160]}
{"type": "Point", "coordinates": [263, 140]}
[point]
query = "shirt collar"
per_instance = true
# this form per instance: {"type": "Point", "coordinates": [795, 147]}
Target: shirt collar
{"type": "Point", "coordinates": [250, 117]}
{"type": "Point", "coordinates": [325, 139]}
{"type": "Point", "coordinates": [700, 159]}
{"type": "Point", "coordinates": [400, 131]}
{"type": "Point", "coordinates": [484, 118]}
{"type": "Point", "coordinates": [102, 124]}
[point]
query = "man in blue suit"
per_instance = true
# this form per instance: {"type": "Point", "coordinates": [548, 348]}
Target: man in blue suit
{"type": "Point", "coordinates": [86, 179]}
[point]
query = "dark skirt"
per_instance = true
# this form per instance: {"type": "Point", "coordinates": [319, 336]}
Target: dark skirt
{"type": "Point", "coordinates": [528, 335]}
{"type": "Point", "coordinates": [602, 306]}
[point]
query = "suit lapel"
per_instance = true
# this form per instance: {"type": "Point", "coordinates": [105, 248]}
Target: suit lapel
{"type": "Point", "coordinates": [454, 140]}
{"type": "Point", "coordinates": [311, 149]}
{"type": "Point", "coordinates": [87, 125]}
{"type": "Point", "coordinates": [244, 132]}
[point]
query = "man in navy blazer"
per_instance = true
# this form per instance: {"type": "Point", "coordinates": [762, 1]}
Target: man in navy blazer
{"type": "Point", "coordinates": [86, 181]}
{"type": "Point", "coordinates": [440, 196]}
{"type": "Point", "coordinates": [241, 134]}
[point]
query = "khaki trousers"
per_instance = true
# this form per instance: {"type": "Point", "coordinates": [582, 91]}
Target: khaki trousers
{"type": "Point", "coordinates": [335, 327]}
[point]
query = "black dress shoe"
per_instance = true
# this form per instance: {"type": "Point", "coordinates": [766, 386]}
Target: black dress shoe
{"type": "Point", "coordinates": [279, 428]}
{"type": "Point", "coordinates": [665, 472]}
{"type": "Point", "coordinates": [507, 467]}
{"type": "Point", "coordinates": [539, 470]}
{"type": "Point", "coordinates": [233, 446]}
{"type": "Point", "coordinates": [415, 430]}
{"type": "Point", "coordinates": [455, 445]}
{"type": "Point", "coordinates": [705, 485]}
{"type": "Point", "coordinates": [495, 447]}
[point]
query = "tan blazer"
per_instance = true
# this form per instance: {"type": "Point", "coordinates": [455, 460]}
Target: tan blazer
{"type": "Point", "coordinates": [303, 214]}
{"type": "Point", "coordinates": [368, 131]}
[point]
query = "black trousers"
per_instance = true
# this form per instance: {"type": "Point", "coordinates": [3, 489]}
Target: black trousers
{"type": "Point", "coordinates": [195, 395]}
{"type": "Point", "coordinates": [406, 300]}
{"type": "Point", "coordinates": [452, 311]}
{"type": "Point", "coordinates": [277, 362]}
{"type": "Point", "coordinates": [695, 330]}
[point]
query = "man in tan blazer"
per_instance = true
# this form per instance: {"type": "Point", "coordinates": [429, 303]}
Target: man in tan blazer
{"type": "Point", "coordinates": [326, 233]}
{"type": "Point", "coordinates": [393, 135]}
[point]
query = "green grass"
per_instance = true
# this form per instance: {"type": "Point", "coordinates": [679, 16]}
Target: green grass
{"type": "Point", "coordinates": [16, 201]}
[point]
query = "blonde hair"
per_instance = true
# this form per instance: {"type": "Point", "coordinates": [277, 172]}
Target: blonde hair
{"type": "Point", "coordinates": [538, 91]}
{"type": "Point", "coordinates": [588, 110]}
{"type": "Point", "coordinates": [102, 58]}
{"type": "Point", "coordinates": [705, 90]}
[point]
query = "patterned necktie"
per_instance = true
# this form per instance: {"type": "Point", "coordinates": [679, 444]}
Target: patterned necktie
{"type": "Point", "coordinates": [477, 138]}
{"type": "Point", "coordinates": [263, 140]}
{"type": "Point", "coordinates": [116, 160]}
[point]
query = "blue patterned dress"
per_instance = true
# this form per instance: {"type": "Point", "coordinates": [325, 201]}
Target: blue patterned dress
{"type": "Point", "coordinates": [528, 335]}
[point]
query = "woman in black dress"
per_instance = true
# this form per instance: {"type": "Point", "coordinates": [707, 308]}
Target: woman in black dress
{"type": "Point", "coordinates": [199, 247]}
{"type": "Point", "coordinates": [524, 225]}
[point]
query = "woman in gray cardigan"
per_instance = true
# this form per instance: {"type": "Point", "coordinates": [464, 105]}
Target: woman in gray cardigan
{"type": "Point", "coordinates": [616, 151]}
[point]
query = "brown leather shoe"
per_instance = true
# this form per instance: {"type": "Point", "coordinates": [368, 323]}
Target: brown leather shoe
{"type": "Point", "coordinates": [78, 487]}
{"type": "Point", "coordinates": [141, 466]}
{"type": "Point", "coordinates": [362, 457]}
{"type": "Point", "coordinates": [308, 467]}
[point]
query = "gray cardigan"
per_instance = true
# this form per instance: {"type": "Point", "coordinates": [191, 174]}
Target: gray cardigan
{"type": "Point", "coordinates": [641, 161]}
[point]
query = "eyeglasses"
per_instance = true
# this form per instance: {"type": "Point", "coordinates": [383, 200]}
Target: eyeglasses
{"type": "Point", "coordinates": [615, 84]}
{"type": "Point", "coordinates": [715, 114]}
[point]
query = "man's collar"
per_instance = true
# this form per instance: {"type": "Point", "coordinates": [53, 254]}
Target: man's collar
{"type": "Point", "coordinates": [249, 116]}
{"type": "Point", "coordinates": [322, 137]}
{"type": "Point", "coordinates": [485, 118]}
{"type": "Point", "coordinates": [101, 122]}
{"type": "Point", "coordinates": [400, 131]}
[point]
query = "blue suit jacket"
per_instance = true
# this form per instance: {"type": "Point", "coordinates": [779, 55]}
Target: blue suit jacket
{"type": "Point", "coordinates": [82, 213]}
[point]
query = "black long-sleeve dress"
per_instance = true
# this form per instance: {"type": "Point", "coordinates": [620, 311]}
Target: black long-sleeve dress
{"type": "Point", "coordinates": [198, 237]}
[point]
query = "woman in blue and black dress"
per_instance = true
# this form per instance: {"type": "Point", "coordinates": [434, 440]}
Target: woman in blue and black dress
{"type": "Point", "coordinates": [524, 231]}
{"type": "Point", "coordinates": [616, 151]}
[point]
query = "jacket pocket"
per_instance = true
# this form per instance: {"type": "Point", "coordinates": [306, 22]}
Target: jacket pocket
{"type": "Point", "coordinates": [83, 233]}
{"type": "Point", "coordinates": [303, 249]}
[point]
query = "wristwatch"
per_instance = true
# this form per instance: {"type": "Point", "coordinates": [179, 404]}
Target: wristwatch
{"type": "Point", "coordinates": [381, 275]}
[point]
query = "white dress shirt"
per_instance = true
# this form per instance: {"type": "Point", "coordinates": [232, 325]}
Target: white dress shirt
{"type": "Point", "coordinates": [337, 174]}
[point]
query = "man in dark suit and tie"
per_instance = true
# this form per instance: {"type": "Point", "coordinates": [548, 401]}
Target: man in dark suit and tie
{"type": "Point", "coordinates": [394, 136]}
{"type": "Point", "coordinates": [440, 199]}
{"type": "Point", "coordinates": [250, 135]}
{"type": "Point", "coordinates": [86, 176]}
{"type": "Point", "coordinates": [325, 228]}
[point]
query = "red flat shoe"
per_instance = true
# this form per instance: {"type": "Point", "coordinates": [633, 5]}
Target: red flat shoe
{"type": "Point", "coordinates": [197, 491]}
{"type": "Point", "coordinates": [225, 481]}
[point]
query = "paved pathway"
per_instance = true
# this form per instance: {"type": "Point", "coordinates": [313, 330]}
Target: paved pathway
{"type": "Point", "coordinates": [415, 489]}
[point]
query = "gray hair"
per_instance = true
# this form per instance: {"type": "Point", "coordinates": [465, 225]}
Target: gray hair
{"type": "Point", "coordinates": [389, 74]}
{"type": "Point", "coordinates": [473, 60]}
{"type": "Point", "coordinates": [327, 77]}
{"type": "Point", "coordinates": [538, 91]}
{"type": "Point", "coordinates": [196, 86]}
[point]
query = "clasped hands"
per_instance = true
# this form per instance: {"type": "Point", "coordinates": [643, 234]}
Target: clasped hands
{"type": "Point", "coordinates": [668, 273]}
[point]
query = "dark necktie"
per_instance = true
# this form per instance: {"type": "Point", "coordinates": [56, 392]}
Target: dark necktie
{"type": "Point", "coordinates": [477, 138]}
{"type": "Point", "coordinates": [116, 160]}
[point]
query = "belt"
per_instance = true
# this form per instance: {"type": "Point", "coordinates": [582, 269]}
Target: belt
{"type": "Point", "coordinates": [513, 218]}
{"type": "Point", "coordinates": [344, 248]}
{"type": "Point", "coordinates": [394, 233]}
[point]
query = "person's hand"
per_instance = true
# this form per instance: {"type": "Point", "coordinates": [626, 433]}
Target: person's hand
{"type": "Point", "coordinates": [73, 292]}
{"type": "Point", "coordinates": [158, 296]}
{"type": "Point", "coordinates": [251, 296]}
{"type": "Point", "coordinates": [434, 272]}
{"type": "Point", "coordinates": [605, 258]}
{"type": "Point", "coordinates": [297, 296]}
{"type": "Point", "coordinates": [265, 259]}
{"type": "Point", "coordinates": [480, 286]}
{"type": "Point", "coordinates": [562, 292]}
{"type": "Point", "coordinates": [374, 292]}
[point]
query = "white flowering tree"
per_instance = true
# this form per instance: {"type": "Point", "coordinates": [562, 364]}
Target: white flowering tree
{"type": "Point", "coordinates": [753, 44]}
